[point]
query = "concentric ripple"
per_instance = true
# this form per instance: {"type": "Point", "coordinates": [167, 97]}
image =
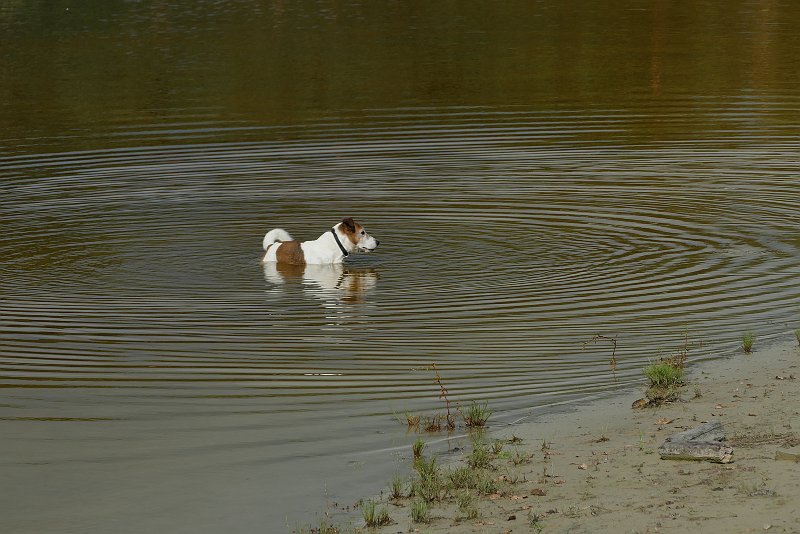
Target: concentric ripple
{"type": "Point", "coordinates": [137, 322]}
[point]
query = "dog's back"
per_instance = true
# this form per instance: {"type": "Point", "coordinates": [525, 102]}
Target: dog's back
{"type": "Point", "coordinates": [276, 235]}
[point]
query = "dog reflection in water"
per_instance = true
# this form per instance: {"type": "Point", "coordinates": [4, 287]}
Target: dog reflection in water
{"type": "Point", "coordinates": [334, 283]}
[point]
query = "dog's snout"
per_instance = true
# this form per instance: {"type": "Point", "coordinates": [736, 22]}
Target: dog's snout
{"type": "Point", "coordinates": [377, 242]}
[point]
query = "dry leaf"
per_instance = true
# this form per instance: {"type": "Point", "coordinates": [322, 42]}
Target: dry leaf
{"type": "Point", "coordinates": [538, 492]}
{"type": "Point", "coordinates": [583, 466]}
{"type": "Point", "coordinates": [664, 421]}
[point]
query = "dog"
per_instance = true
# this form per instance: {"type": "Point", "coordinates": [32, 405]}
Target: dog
{"type": "Point", "coordinates": [333, 246]}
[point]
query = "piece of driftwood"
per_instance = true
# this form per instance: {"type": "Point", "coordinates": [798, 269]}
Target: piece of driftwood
{"type": "Point", "coordinates": [703, 442]}
{"type": "Point", "coordinates": [713, 451]}
{"type": "Point", "coordinates": [711, 431]}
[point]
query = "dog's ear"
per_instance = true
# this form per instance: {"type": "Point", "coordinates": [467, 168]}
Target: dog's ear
{"type": "Point", "coordinates": [349, 224]}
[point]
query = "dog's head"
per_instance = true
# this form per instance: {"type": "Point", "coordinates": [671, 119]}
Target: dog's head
{"type": "Point", "coordinates": [357, 235]}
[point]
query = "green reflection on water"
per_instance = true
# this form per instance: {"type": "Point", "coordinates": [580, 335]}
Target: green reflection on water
{"type": "Point", "coordinates": [99, 65]}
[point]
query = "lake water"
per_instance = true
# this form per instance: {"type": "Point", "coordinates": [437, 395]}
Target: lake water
{"type": "Point", "coordinates": [537, 173]}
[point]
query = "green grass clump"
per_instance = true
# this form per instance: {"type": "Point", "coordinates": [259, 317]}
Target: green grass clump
{"type": "Point", "coordinates": [464, 478]}
{"type": "Point", "coordinates": [476, 415]}
{"type": "Point", "coordinates": [747, 341]}
{"type": "Point", "coordinates": [480, 458]}
{"type": "Point", "coordinates": [417, 448]}
{"type": "Point", "coordinates": [425, 467]}
{"type": "Point", "coordinates": [430, 488]}
{"type": "Point", "coordinates": [497, 446]}
{"type": "Point", "coordinates": [487, 485]}
{"type": "Point", "coordinates": [665, 378]}
{"type": "Point", "coordinates": [466, 505]}
{"type": "Point", "coordinates": [396, 487]}
{"type": "Point", "coordinates": [431, 485]}
{"type": "Point", "coordinates": [420, 511]}
{"type": "Point", "coordinates": [374, 517]}
{"type": "Point", "coordinates": [520, 457]}
{"type": "Point", "coordinates": [663, 375]}
{"type": "Point", "coordinates": [797, 335]}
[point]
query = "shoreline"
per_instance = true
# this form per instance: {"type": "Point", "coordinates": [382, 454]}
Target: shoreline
{"type": "Point", "coordinates": [596, 467]}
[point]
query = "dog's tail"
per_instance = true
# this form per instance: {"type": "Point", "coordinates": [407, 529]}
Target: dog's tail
{"type": "Point", "coordinates": [276, 235]}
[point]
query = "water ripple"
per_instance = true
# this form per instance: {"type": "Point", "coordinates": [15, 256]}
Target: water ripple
{"type": "Point", "coordinates": [132, 291]}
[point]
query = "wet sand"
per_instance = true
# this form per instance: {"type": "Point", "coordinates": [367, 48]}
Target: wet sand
{"type": "Point", "coordinates": [600, 470]}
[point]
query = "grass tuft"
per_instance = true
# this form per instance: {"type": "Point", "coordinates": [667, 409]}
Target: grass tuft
{"type": "Point", "coordinates": [430, 489]}
{"type": "Point", "coordinates": [519, 456]}
{"type": "Point", "coordinates": [420, 511]}
{"type": "Point", "coordinates": [431, 485]}
{"type": "Point", "coordinates": [433, 423]}
{"type": "Point", "coordinates": [748, 338]}
{"type": "Point", "coordinates": [476, 415]}
{"type": "Point", "coordinates": [425, 467]}
{"type": "Point", "coordinates": [417, 448]}
{"type": "Point", "coordinates": [396, 488]}
{"type": "Point", "coordinates": [486, 485]}
{"type": "Point", "coordinates": [480, 458]}
{"type": "Point", "coordinates": [663, 375]}
{"type": "Point", "coordinates": [463, 478]}
{"type": "Point", "coordinates": [497, 446]}
{"type": "Point", "coordinates": [412, 420]}
{"type": "Point", "coordinates": [374, 517]}
{"type": "Point", "coordinates": [466, 505]}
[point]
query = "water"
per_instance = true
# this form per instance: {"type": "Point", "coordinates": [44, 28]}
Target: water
{"type": "Point", "coordinates": [537, 175]}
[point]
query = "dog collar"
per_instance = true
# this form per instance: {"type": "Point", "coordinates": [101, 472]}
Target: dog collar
{"type": "Point", "coordinates": [341, 247]}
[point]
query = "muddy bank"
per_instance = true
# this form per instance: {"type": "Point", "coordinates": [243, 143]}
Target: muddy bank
{"type": "Point", "coordinates": [598, 469]}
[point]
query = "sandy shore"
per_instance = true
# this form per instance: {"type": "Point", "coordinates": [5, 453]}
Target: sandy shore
{"type": "Point", "coordinates": [600, 470]}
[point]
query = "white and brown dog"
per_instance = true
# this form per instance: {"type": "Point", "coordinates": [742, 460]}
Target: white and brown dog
{"type": "Point", "coordinates": [331, 247]}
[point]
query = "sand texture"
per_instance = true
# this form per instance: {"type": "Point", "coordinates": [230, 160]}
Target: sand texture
{"type": "Point", "coordinates": [598, 469]}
